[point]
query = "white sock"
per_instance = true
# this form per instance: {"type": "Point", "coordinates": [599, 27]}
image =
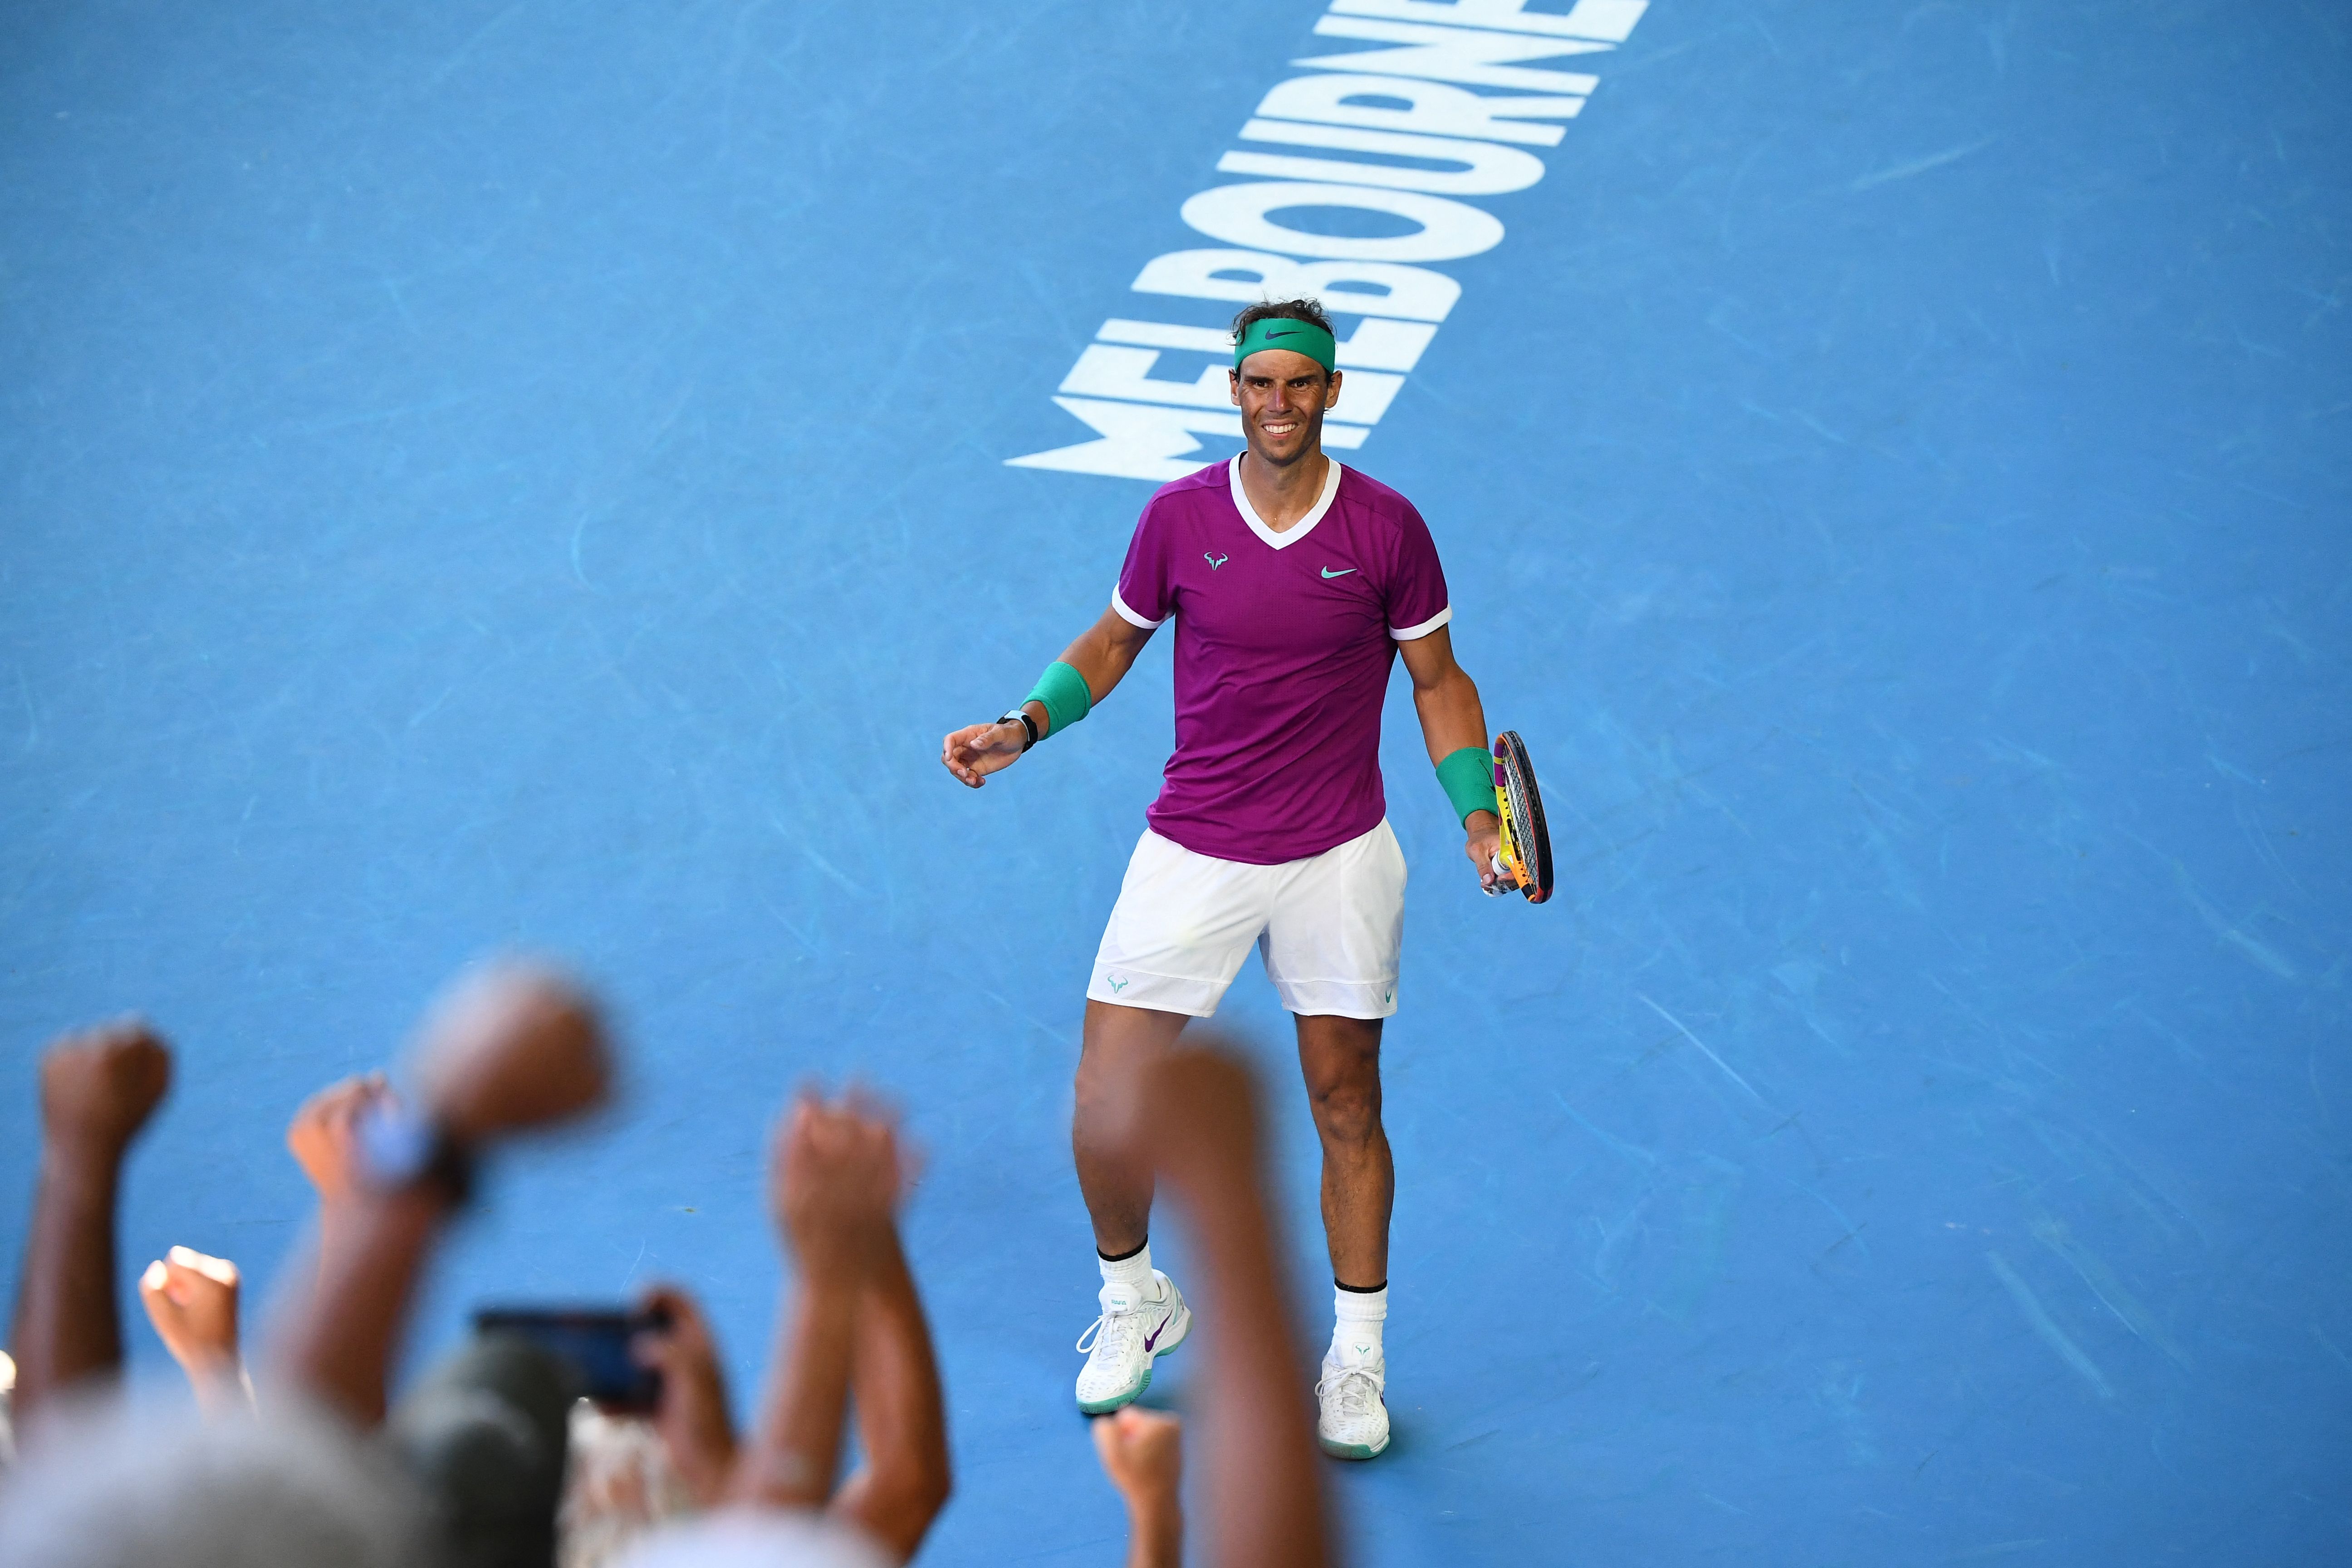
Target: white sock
{"type": "Point", "coordinates": [1134, 1272]}
{"type": "Point", "coordinates": [1361, 1314]}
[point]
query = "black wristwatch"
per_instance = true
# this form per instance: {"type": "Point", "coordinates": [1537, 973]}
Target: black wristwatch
{"type": "Point", "coordinates": [1028, 726]}
{"type": "Point", "coordinates": [400, 1151]}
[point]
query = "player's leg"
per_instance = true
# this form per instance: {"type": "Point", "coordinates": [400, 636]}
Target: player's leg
{"type": "Point", "coordinates": [1332, 951]}
{"type": "Point", "coordinates": [1143, 1314]}
{"type": "Point", "coordinates": [1118, 1045]}
{"type": "Point", "coordinates": [1340, 1059]}
{"type": "Point", "coordinates": [1182, 925]}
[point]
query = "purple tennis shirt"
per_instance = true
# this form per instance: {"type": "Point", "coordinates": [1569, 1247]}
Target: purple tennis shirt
{"type": "Point", "coordinates": [1283, 643]}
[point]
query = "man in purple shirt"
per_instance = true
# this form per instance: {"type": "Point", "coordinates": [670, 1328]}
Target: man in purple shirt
{"type": "Point", "coordinates": [1294, 582]}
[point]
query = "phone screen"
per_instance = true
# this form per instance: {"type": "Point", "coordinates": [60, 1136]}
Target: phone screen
{"type": "Point", "coordinates": [593, 1342]}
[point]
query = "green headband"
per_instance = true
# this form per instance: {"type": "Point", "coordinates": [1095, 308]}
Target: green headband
{"type": "Point", "coordinates": [1284, 332]}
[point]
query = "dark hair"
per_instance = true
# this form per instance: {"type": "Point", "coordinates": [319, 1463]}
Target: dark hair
{"type": "Point", "coordinates": [1309, 310]}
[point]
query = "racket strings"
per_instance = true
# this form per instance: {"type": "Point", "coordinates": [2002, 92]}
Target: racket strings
{"type": "Point", "coordinates": [1526, 846]}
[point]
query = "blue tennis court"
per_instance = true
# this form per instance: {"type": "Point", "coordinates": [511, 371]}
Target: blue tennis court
{"type": "Point", "coordinates": [492, 475]}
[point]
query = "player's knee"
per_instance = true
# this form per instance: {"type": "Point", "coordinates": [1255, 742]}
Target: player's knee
{"type": "Point", "coordinates": [1094, 1089]}
{"type": "Point", "coordinates": [1348, 1108]}
{"type": "Point", "coordinates": [1108, 1079]}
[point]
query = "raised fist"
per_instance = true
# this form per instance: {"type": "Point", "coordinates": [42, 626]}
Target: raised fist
{"type": "Point", "coordinates": [192, 1301]}
{"type": "Point", "coordinates": [834, 1179]}
{"type": "Point", "coordinates": [98, 1086]}
{"type": "Point", "coordinates": [514, 1047]}
{"type": "Point", "coordinates": [1142, 1452]}
{"type": "Point", "coordinates": [323, 1137]}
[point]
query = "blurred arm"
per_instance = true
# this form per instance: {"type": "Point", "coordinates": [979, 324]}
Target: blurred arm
{"type": "Point", "coordinates": [901, 1421]}
{"type": "Point", "coordinates": [98, 1089]}
{"type": "Point", "coordinates": [1142, 1452]}
{"type": "Point", "coordinates": [692, 1416]}
{"type": "Point", "coordinates": [191, 1298]}
{"type": "Point", "coordinates": [323, 1138]}
{"type": "Point", "coordinates": [337, 1342]}
{"type": "Point", "coordinates": [65, 1327]}
{"type": "Point", "coordinates": [796, 1447]}
{"type": "Point", "coordinates": [508, 1050]}
{"type": "Point", "coordinates": [834, 1178]}
{"type": "Point", "coordinates": [1265, 1480]}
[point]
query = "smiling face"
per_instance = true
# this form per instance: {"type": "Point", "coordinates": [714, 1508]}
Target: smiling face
{"type": "Point", "coordinates": [1283, 396]}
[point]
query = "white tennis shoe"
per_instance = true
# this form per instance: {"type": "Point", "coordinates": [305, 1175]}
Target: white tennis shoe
{"type": "Point", "coordinates": [1136, 1328]}
{"type": "Point", "coordinates": [1352, 1422]}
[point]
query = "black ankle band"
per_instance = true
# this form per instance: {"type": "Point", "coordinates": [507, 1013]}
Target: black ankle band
{"type": "Point", "coordinates": [1361, 1289]}
{"type": "Point", "coordinates": [1123, 1256]}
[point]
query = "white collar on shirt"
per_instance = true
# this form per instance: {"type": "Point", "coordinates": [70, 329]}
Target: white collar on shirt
{"type": "Point", "coordinates": [1296, 530]}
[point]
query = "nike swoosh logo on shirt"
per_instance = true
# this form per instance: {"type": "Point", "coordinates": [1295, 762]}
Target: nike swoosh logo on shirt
{"type": "Point", "coordinates": [1328, 574]}
{"type": "Point", "coordinates": [1157, 1332]}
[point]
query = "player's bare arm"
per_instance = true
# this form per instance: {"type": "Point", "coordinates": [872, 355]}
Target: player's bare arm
{"type": "Point", "coordinates": [1451, 719]}
{"type": "Point", "coordinates": [1102, 655]}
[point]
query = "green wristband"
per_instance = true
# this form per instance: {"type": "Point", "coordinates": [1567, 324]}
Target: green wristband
{"type": "Point", "coordinates": [1468, 776]}
{"type": "Point", "coordinates": [1064, 692]}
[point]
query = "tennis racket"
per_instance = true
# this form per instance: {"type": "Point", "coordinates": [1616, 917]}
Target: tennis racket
{"type": "Point", "coordinates": [1523, 861]}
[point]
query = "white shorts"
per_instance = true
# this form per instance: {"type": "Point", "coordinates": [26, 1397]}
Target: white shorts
{"type": "Point", "coordinates": [1329, 927]}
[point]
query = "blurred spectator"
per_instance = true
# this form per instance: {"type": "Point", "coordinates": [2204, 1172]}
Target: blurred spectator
{"type": "Point", "coordinates": [834, 1179]}
{"type": "Point", "coordinates": [697, 1433]}
{"type": "Point", "coordinates": [7, 1422]}
{"type": "Point", "coordinates": [324, 1138]}
{"type": "Point", "coordinates": [618, 1483]}
{"type": "Point", "coordinates": [487, 1433]}
{"type": "Point", "coordinates": [297, 1485]}
{"type": "Point", "coordinates": [296, 1488]}
{"type": "Point", "coordinates": [628, 1473]}
{"type": "Point", "coordinates": [192, 1301]}
{"type": "Point", "coordinates": [1263, 1496]}
{"type": "Point", "coordinates": [1142, 1451]}
{"type": "Point", "coordinates": [98, 1089]}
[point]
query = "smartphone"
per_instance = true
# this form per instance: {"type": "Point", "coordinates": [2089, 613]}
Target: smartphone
{"type": "Point", "coordinates": [593, 1342]}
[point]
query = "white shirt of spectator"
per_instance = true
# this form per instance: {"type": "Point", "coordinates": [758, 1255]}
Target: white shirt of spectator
{"type": "Point", "coordinates": [746, 1538]}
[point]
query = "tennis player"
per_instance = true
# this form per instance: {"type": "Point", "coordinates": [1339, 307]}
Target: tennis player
{"type": "Point", "coordinates": [1294, 583]}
